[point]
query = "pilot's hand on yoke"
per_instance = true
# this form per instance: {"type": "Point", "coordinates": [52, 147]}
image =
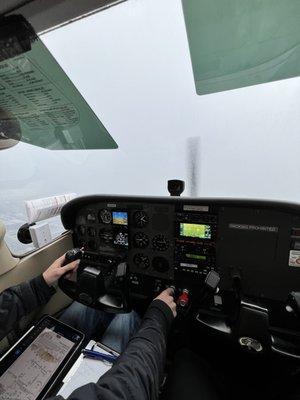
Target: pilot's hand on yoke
{"type": "Point", "coordinates": [167, 296]}
{"type": "Point", "coordinates": [57, 269]}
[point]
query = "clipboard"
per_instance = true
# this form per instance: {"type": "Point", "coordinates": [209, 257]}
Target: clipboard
{"type": "Point", "coordinates": [86, 370]}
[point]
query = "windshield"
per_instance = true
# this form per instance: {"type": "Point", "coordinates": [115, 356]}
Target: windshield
{"type": "Point", "coordinates": [132, 65]}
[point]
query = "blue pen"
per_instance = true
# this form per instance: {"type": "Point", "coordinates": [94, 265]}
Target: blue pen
{"type": "Point", "coordinates": [99, 356]}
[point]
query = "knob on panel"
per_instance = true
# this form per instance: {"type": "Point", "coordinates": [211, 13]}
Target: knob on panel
{"type": "Point", "coordinates": [183, 299]}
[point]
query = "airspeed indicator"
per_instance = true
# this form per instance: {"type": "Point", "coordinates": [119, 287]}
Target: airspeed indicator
{"type": "Point", "coordinates": [105, 216]}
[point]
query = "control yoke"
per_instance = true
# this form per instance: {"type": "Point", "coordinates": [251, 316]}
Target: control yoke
{"type": "Point", "coordinates": [103, 287]}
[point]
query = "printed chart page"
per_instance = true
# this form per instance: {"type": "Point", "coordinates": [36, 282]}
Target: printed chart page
{"type": "Point", "coordinates": [84, 371]}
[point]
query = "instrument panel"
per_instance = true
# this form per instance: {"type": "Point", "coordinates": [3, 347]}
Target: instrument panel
{"type": "Point", "coordinates": [179, 240]}
{"type": "Point", "coordinates": [134, 247]}
{"type": "Point", "coordinates": [162, 241]}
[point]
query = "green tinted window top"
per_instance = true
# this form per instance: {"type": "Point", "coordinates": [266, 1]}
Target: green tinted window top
{"type": "Point", "coordinates": [237, 43]}
{"type": "Point", "coordinates": [47, 107]}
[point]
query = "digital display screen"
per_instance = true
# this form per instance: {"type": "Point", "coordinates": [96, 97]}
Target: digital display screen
{"type": "Point", "coordinates": [120, 218]}
{"type": "Point", "coordinates": [34, 367]}
{"type": "Point", "coordinates": [187, 265]}
{"type": "Point", "coordinates": [196, 257]}
{"type": "Point", "coordinates": [121, 239]}
{"type": "Point", "coordinates": [199, 231]}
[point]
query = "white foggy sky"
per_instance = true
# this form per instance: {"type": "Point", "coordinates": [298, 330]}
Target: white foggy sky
{"type": "Point", "coordinates": [132, 65]}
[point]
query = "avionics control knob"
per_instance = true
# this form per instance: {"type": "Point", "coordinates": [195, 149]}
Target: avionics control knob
{"type": "Point", "coordinates": [183, 299]}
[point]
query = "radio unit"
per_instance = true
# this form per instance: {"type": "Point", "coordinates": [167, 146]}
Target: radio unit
{"type": "Point", "coordinates": [195, 244]}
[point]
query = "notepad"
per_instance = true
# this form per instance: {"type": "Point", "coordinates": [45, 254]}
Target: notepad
{"type": "Point", "coordinates": [85, 370]}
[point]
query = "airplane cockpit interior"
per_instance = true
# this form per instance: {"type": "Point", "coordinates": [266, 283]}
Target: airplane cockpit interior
{"type": "Point", "coordinates": [224, 234]}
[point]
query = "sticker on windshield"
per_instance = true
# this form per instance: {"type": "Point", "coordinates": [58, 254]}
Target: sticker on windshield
{"type": "Point", "coordinates": [51, 112]}
{"type": "Point", "coordinates": [294, 260]}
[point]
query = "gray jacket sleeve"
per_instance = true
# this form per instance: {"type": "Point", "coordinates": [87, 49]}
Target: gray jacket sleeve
{"type": "Point", "coordinates": [20, 300]}
{"type": "Point", "coordinates": [138, 373]}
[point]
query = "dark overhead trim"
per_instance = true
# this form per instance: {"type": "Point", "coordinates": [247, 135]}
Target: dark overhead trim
{"type": "Point", "coordinates": [16, 7]}
{"type": "Point", "coordinates": [46, 15]}
{"type": "Point", "coordinates": [115, 3]}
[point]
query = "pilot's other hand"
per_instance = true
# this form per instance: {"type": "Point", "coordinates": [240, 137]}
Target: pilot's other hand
{"type": "Point", "coordinates": [56, 270]}
{"type": "Point", "coordinates": [167, 297]}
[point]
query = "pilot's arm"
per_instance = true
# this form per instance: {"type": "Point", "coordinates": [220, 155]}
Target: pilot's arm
{"type": "Point", "coordinates": [20, 300]}
{"type": "Point", "coordinates": [138, 373]}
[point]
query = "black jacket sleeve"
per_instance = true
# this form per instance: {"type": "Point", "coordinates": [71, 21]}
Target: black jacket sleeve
{"type": "Point", "coordinates": [138, 373]}
{"type": "Point", "coordinates": [20, 300]}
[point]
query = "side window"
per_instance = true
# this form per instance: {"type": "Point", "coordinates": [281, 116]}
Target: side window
{"type": "Point", "coordinates": [13, 223]}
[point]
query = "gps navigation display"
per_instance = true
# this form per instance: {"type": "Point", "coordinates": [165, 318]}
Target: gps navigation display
{"type": "Point", "coordinates": [199, 231]}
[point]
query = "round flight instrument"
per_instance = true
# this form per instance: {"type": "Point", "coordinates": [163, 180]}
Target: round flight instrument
{"type": "Point", "coordinates": [141, 261]}
{"type": "Point", "coordinates": [141, 219]}
{"type": "Point", "coordinates": [105, 216]}
{"type": "Point", "coordinates": [140, 240]}
{"type": "Point", "coordinates": [160, 243]}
